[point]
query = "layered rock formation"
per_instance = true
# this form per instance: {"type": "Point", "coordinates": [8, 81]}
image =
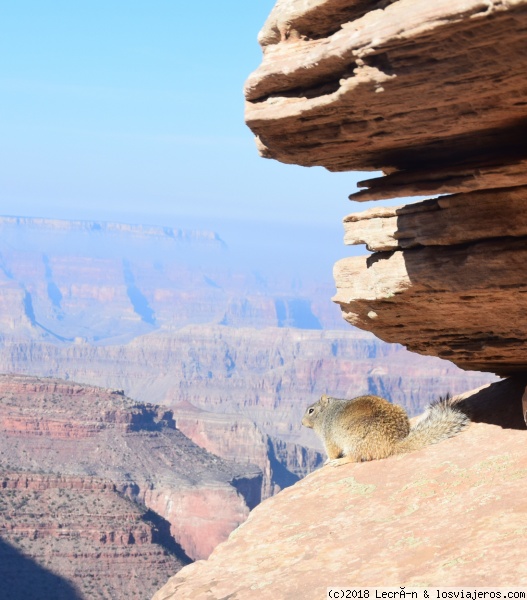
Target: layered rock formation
{"type": "Point", "coordinates": [52, 426]}
{"type": "Point", "coordinates": [239, 439]}
{"type": "Point", "coordinates": [448, 515]}
{"type": "Point", "coordinates": [447, 277]}
{"type": "Point", "coordinates": [407, 85]}
{"type": "Point", "coordinates": [430, 94]}
{"type": "Point", "coordinates": [97, 282]}
{"type": "Point", "coordinates": [83, 530]}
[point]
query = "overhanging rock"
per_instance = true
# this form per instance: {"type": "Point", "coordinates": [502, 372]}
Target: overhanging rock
{"type": "Point", "coordinates": [434, 94]}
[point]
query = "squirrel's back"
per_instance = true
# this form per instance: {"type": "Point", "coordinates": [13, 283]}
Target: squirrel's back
{"type": "Point", "coordinates": [370, 427]}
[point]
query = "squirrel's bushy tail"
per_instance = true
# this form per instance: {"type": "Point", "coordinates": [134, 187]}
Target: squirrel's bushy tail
{"type": "Point", "coordinates": [441, 421]}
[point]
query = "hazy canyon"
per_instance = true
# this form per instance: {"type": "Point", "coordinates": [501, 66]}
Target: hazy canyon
{"type": "Point", "coordinates": [176, 317]}
{"type": "Point", "coordinates": [173, 318]}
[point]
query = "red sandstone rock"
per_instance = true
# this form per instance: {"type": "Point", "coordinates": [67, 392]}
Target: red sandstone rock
{"type": "Point", "coordinates": [446, 180]}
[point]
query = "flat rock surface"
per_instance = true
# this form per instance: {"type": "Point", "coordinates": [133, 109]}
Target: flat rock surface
{"type": "Point", "coordinates": [452, 514]}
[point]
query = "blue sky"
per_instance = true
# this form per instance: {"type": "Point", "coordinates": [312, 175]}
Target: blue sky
{"type": "Point", "coordinates": [137, 108]}
{"type": "Point", "coordinates": [133, 111]}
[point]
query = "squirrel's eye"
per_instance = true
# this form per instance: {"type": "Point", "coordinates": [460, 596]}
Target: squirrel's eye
{"type": "Point", "coordinates": [311, 410]}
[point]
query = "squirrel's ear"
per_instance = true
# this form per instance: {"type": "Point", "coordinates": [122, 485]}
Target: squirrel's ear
{"type": "Point", "coordinates": [324, 400]}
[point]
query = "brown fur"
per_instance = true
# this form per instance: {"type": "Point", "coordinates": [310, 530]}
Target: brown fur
{"type": "Point", "coordinates": [371, 428]}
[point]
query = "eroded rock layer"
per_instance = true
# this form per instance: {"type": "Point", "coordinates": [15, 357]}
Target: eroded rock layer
{"type": "Point", "coordinates": [434, 95]}
{"type": "Point", "coordinates": [77, 538]}
{"type": "Point", "coordinates": [400, 85]}
{"type": "Point", "coordinates": [58, 427]}
{"type": "Point", "coordinates": [448, 277]}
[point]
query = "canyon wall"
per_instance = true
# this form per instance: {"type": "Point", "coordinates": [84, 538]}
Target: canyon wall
{"type": "Point", "coordinates": [55, 427]}
{"type": "Point", "coordinates": [70, 537]}
{"type": "Point", "coordinates": [99, 282]}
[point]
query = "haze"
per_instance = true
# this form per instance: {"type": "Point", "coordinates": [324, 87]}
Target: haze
{"type": "Point", "coordinates": [133, 112]}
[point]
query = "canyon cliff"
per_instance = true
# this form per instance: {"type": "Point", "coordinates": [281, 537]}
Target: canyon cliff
{"type": "Point", "coordinates": [75, 537]}
{"type": "Point", "coordinates": [88, 473]}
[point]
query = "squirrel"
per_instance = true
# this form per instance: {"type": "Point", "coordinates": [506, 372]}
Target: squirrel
{"type": "Point", "coordinates": [371, 428]}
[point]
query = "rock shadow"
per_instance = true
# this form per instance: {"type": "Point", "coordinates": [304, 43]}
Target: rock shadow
{"type": "Point", "coordinates": [498, 403]}
{"type": "Point", "coordinates": [163, 536]}
{"type": "Point", "coordinates": [22, 578]}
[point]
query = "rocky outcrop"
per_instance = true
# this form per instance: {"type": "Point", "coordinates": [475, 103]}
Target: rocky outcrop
{"type": "Point", "coordinates": [83, 530]}
{"type": "Point", "coordinates": [458, 256]}
{"type": "Point", "coordinates": [429, 94]}
{"type": "Point", "coordinates": [372, 85]}
{"type": "Point", "coordinates": [425, 518]}
{"type": "Point", "coordinates": [54, 426]}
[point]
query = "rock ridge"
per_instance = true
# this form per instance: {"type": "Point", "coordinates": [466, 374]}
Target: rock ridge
{"type": "Point", "coordinates": [63, 428]}
{"type": "Point", "coordinates": [84, 531]}
{"type": "Point", "coordinates": [173, 233]}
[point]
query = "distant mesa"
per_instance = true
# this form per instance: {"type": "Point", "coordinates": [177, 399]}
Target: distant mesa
{"type": "Point", "coordinates": [63, 225]}
{"type": "Point", "coordinates": [111, 282]}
